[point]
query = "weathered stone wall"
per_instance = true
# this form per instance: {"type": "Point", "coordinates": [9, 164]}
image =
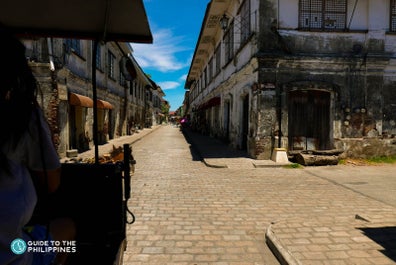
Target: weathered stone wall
{"type": "Point", "coordinates": [48, 97]}
{"type": "Point", "coordinates": [362, 103]}
{"type": "Point", "coordinates": [366, 147]}
{"type": "Point", "coordinates": [354, 66]}
{"type": "Point", "coordinates": [389, 100]}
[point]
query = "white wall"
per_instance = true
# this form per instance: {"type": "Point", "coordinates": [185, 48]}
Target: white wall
{"type": "Point", "coordinates": [368, 14]}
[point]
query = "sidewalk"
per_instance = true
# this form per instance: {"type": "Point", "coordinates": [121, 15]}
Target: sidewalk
{"type": "Point", "coordinates": [212, 151]}
{"type": "Point", "coordinates": [117, 142]}
{"type": "Point", "coordinates": [215, 153]}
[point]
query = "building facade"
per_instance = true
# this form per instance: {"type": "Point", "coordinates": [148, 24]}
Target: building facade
{"type": "Point", "coordinates": [63, 68]}
{"type": "Point", "coordinates": [303, 75]}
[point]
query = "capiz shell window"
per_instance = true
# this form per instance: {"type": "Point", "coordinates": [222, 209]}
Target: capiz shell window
{"type": "Point", "coordinates": [328, 15]}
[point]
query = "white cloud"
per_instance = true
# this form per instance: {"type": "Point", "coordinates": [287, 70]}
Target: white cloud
{"type": "Point", "coordinates": [183, 78]}
{"type": "Point", "coordinates": [166, 85]}
{"type": "Point", "coordinates": [162, 54]}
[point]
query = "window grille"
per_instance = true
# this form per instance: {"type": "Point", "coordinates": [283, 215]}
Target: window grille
{"type": "Point", "coordinates": [123, 81]}
{"type": "Point", "coordinates": [132, 87]}
{"type": "Point", "coordinates": [99, 57]}
{"type": "Point", "coordinates": [245, 21]}
{"type": "Point", "coordinates": [229, 43]}
{"type": "Point", "coordinates": [210, 70]}
{"type": "Point", "coordinates": [393, 16]}
{"type": "Point", "coordinates": [74, 45]}
{"type": "Point", "coordinates": [110, 65]}
{"type": "Point", "coordinates": [218, 59]}
{"type": "Point", "coordinates": [323, 14]}
{"type": "Point", "coordinates": [205, 77]}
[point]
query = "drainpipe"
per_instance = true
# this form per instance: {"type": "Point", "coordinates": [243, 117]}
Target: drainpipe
{"type": "Point", "coordinates": [279, 106]}
{"type": "Point", "coordinates": [353, 13]}
{"type": "Point", "coordinates": [50, 57]}
{"type": "Point", "coordinates": [279, 116]}
{"type": "Point", "coordinates": [54, 100]}
{"type": "Point", "coordinates": [278, 92]}
{"type": "Point", "coordinates": [95, 101]}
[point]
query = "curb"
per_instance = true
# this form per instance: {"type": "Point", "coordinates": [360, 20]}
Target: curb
{"type": "Point", "coordinates": [140, 138]}
{"type": "Point", "coordinates": [116, 141]}
{"type": "Point", "coordinates": [281, 253]}
{"type": "Point", "coordinates": [269, 164]}
{"type": "Point", "coordinates": [211, 165]}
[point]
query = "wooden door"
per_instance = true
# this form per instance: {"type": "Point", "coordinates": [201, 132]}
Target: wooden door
{"type": "Point", "coordinates": [309, 120]}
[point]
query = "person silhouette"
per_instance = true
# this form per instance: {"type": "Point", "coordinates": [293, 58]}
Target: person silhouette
{"type": "Point", "coordinates": [26, 150]}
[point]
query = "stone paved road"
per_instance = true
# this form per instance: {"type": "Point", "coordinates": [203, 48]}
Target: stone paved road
{"type": "Point", "coordinates": [187, 213]}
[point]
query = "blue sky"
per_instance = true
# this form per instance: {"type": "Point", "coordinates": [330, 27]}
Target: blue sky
{"type": "Point", "coordinates": [175, 26]}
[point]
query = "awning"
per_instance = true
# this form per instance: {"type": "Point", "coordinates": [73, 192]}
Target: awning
{"type": "Point", "coordinates": [215, 101]}
{"type": "Point", "coordinates": [107, 20]}
{"type": "Point", "coordinates": [104, 104]}
{"type": "Point", "coordinates": [79, 100]}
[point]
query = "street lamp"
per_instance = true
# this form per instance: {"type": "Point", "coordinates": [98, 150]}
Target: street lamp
{"type": "Point", "coordinates": [224, 22]}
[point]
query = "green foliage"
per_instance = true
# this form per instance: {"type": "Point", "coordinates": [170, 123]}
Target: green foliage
{"type": "Point", "coordinates": [382, 159]}
{"type": "Point", "coordinates": [293, 165]}
{"type": "Point", "coordinates": [165, 109]}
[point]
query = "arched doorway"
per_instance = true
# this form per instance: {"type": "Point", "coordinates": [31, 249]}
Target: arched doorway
{"type": "Point", "coordinates": [309, 119]}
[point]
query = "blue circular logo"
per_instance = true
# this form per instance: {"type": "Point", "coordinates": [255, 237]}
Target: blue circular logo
{"type": "Point", "coordinates": [18, 246]}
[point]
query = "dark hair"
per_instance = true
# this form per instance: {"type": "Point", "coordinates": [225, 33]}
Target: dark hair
{"type": "Point", "coordinates": [17, 91]}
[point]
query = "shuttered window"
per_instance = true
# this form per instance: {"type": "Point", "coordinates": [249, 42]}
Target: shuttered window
{"type": "Point", "coordinates": [328, 15]}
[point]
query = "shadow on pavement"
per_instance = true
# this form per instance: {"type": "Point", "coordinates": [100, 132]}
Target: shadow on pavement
{"type": "Point", "coordinates": [384, 236]}
{"type": "Point", "coordinates": [209, 147]}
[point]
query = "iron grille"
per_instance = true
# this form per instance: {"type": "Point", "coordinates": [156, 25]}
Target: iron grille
{"type": "Point", "coordinates": [323, 14]}
{"type": "Point", "coordinates": [393, 16]}
{"type": "Point", "coordinates": [245, 21]}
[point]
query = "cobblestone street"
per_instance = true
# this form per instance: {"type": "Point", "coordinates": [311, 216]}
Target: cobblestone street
{"type": "Point", "coordinates": [188, 213]}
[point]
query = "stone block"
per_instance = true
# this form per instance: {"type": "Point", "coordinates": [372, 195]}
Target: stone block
{"type": "Point", "coordinates": [279, 155]}
{"type": "Point", "coordinates": [72, 153]}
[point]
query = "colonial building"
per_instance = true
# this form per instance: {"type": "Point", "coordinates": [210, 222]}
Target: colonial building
{"type": "Point", "coordinates": [298, 74]}
{"type": "Point", "coordinates": [63, 68]}
{"type": "Point", "coordinates": [158, 114]}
